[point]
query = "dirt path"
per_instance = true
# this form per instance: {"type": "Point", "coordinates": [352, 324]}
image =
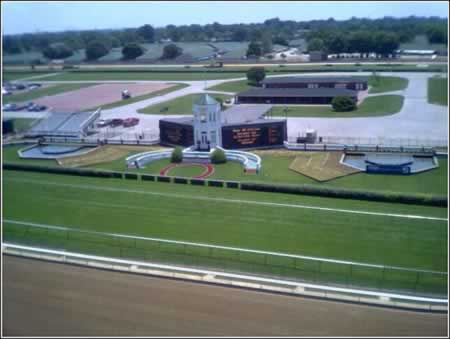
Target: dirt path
{"type": "Point", "coordinates": [48, 299]}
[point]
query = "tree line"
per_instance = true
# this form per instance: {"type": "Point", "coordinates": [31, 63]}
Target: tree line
{"type": "Point", "coordinates": [380, 36]}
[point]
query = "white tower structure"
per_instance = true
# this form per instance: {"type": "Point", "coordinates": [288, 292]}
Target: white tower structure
{"type": "Point", "coordinates": [207, 123]}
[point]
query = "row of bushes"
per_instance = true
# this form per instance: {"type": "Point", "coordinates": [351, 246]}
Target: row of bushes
{"type": "Point", "coordinates": [331, 192]}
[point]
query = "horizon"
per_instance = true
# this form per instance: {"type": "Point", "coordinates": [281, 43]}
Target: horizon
{"type": "Point", "coordinates": [78, 16]}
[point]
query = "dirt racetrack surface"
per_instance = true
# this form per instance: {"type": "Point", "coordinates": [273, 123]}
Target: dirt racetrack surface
{"type": "Point", "coordinates": [97, 95]}
{"type": "Point", "coordinates": [50, 299]}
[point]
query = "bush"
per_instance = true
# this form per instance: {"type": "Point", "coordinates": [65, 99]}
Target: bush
{"type": "Point", "coordinates": [218, 156]}
{"type": "Point", "coordinates": [331, 192]}
{"type": "Point", "coordinates": [95, 50]}
{"type": "Point", "coordinates": [256, 74]}
{"type": "Point", "coordinates": [57, 52]}
{"type": "Point", "coordinates": [177, 155]}
{"type": "Point", "coordinates": [171, 51]}
{"type": "Point", "coordinates": [132, 51]}
{"type": "Point", "coordinates": [343, 104]}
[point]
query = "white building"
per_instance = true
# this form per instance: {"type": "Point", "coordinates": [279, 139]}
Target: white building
{"type": "Point", "coordinates": [207, 122]}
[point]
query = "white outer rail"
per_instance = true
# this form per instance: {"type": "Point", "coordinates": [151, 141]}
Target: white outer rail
{"type": "Point", "coordinates": [245, 281]}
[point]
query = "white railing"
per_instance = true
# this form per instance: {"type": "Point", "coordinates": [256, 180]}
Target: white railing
{"type": "Point", "coordinates": [240, 280]}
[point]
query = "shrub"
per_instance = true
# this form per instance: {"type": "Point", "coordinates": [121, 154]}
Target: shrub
{"type": "Point", "coordinates": [95, 50]}
{"type": "Point", "coordinates": [343, 104]}
{"type": "Point", "coordinates": [256, 74]}
{"type": "Point", "coordinates": [57, 52]}
{"type": "Point", "coordinates": [218, 156]}
{"type": "Point", "coordinates": [171, 51]}
{"type": "Point", "coordinates": [132, 51]}
{"type": "Point", "coordinates": [177, 155]}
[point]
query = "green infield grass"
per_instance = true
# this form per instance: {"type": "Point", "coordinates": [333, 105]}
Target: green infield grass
{"type": "Point", "coordinates": [219, 216]}
{"type": "Point", "coordinates": [40, 92]}
{"type": "Point", "coordinates": [179, 106]}
{"type": "Point", "coordinates": [381, 84]}
{"type": "Point", "coordinates": [438, 91]}
{"type": "Point", "coordinates": [370, 107]}
{"type": "Point", "coordinates": [233, 86]}
{"type": "Point", "coordinates": [17, 75]}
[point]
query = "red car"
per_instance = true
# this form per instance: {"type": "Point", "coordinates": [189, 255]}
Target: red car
{"type": "Point", "coordinates": [130, 122]}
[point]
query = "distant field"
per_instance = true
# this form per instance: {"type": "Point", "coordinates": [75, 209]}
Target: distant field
{"type": "Point", "coordinates": [11, 75]}
{"type": "Point", "coordinates": [438, 91]}
{"type": "Point", "coordinates": [181, 105]}
{"type": "Point", "coordinates": [40, 92]}
{"type": "Point", "coordinates": [371, 106]}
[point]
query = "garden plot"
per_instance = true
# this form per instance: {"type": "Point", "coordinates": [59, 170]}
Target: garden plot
{"type": "Point", "coordinates": [321, 166]}
{"type": "Point", "coordinates": [98, 95]}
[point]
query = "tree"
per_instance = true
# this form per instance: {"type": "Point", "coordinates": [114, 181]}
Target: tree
{"type": "Point", "coordinates": [254, 49]}
{"type": "Point", "coordinates": [316, 45]}
{"type": "Point", "coordinates": [132, 51]}
{"type": "Point", "coordinates": [360, 42]}
{"type": "Point", "coordinates": [57, 52]}
{"type": "Point", "coordinates": [343, 104]}
{"type": "Point", "coordinates": [95, 50]}
{"type": "Point", "coordinates": [256, 74]}
{"type": "Point", "coordinates": [337, 43]}
{"type": "Point", "coordinates": [385, 43]}
{"type": "Point", "coordinates": [11, 45]}
{"type": "Point", "coordinates": [279, 40]}
{"type": "Point", "coordinates": [218, 156]}
{"type": "Point", "coordinates": [177, 155]}
{"type": "Point", "coordinates": [147, 33]}
{"type": "Point", "coordinates": [171, 51]}
{"type": "Point", "coordinates": [240, 34]}
{"type": "Point", "coordinates": [266, 43]}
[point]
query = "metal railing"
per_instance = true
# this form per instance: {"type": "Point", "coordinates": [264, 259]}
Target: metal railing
{"type": "Point", "coordinates": [309, 269]}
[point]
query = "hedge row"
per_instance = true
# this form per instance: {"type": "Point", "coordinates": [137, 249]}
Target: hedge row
{"type": "Point", "coordinates": [63, 170]}
{"type": "Point", "coordinates": [332, 192]}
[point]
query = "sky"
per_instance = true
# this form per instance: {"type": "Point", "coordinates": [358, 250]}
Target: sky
{"type": "Point", "coordinates": [38, 16]}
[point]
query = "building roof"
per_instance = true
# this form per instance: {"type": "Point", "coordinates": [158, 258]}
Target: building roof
{"type": "Point", "coordinates": [205, 99]}
{"type": "Point", "coordinates": [297, 92]}
{"type": "Point", "coordinates": [323, 79]}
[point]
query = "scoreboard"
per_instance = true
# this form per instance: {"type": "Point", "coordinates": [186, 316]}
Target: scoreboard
{"type": "Point", "coordinates": [176, 134]}
{"type": "Point", "coordinates": [257, 135]}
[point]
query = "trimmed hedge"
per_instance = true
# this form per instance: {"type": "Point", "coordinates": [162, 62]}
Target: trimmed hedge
{"type": "Point", "coordinates": [131, 176]}
{"type": "Point", "coordinates": [215, 183]}
{"type": "Point", "coordinates": [180, 181]}
{"type": "Point", "coordinates": [198, 182]}
{"type": "Point", "coordinates": [147, 177]}
{"type": "Point", "coordinates": [232, 184]}
{"type": "Point", "coordinates": [60, 170]}
{"type": "Point", "coordinates": [161, 178]}
{"type": "Point", "coordinates": [331, 192]}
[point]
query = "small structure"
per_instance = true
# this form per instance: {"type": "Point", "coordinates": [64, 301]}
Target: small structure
{"type": "Point", "coordinates": [126, 94]}
{"type": "Point", "coordinates": [315, 56]}
{"type": "Point", "coordinates": [353, 83]}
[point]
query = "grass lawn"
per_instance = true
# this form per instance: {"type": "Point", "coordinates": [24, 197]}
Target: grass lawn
{"type": "Point", "coordinates": [173, 76]}
{"type": "Point", "coordinates": [132, 100]}
{"type": "Point", "coordinates": [381, 84]}
{"type": "Point", "coordinates": [187, 171]}
{"type": "Point", "coordinates": [40, 92]}
{"type": "Point", "coordinates": [233, 86]}
{"type": "Point", "coordinates": [191, 213]}
{"type": "Point", "coordinates": [178, 106]}
{"type": "Point", "coordinates": [22, 124]}
{"type": "Point", "coordinates": [275, 169]}
{"type": "Point", "coordinates": [438, 91]}
{"type": "Point", "coordinates": [11, 75]}
{"type": "Point", "coordinates": [370, 107]}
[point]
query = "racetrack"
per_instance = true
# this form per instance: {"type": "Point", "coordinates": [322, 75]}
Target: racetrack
{"type": "Point", "coordinates": [49, 299]}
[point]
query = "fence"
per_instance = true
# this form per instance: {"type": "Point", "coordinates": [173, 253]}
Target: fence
{"type": "Point", "coordinates": [417, 142]}
{"type": "Point", "coordinates": [229, 259]}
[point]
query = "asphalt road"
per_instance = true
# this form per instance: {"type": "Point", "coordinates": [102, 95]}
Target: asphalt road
{"type": "Point", "coordinates": [48, 299]}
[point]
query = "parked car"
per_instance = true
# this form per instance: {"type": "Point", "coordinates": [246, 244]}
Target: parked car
{"type": "Point", "coordinates": [104, 122]}
{"type": "Point", "coordinates": [39, 108]}
{"type": "Point", "coordinates": [20, 86]}
{"type": "Point", "coordinates": [130, 122]}
{"type": "Point", "coordinates": [34, 86]}
{"type": "Point", "coordinates": [8, 107]}
{"type": "Point", "coordinates": [20, 107]}
{"type": "Point", "coordinates": [116, 122]}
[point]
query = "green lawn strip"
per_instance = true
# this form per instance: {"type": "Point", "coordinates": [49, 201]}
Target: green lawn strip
{"type": "Point", "coordinates": [381, 84]}
{"type": "Point", "coordinates": [438, 91]}
{"type": "Point", "coordinates": [187, 171]}
{"type": "Point", "coordinates": [17, 75]}
{"type": "Point", "coordinates": [275, 169]}
{"type": "Point", "coordinates": [141, 97]}
{"type": "Point", "coordinates": [233, 86]}
{"type": "Point", "coordinates": [372, 239]}
{"type": "Point", "coordinates": [178, 106]}
{"type": "Point", "coordinates": [172, 76]}
{"type": "Point", "coordinates": [22, 124]}
{"type": "Point", "coordinates": [40, 92]}
{"type": "Point", "coordinates": [370, 107]}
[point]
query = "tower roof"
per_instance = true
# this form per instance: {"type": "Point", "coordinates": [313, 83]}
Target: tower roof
{"type": "Point", "coordinates": [205, 99]}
